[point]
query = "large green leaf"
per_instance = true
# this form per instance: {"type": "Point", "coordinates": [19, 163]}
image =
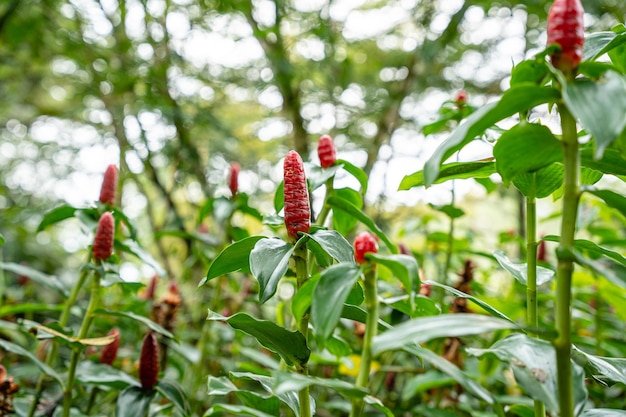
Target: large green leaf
{"type": "Point", "coordinates": [18, 350]}
{"type": "Point", "coordinates": [423, 329]}
{"type": "Point", "coordinates": [451, 171]}
{"type": "Point", "coordinates": [517, 99]}
{"type": "Point", "coordinates": [130, 246]}
{"type": "Point", "coordinates": [534, 366]}
{"type": "Point", "coordinates": [424, 382]}
{"type": "Point", "coordinates": [151, 325]}
{"type": "Point", "coordinates": [330, 294]}
{"type": "Point", "coordinates": [610, 198]}
{"type": "Point", "coordinates": [591, 248]}
{"type": "Point", "coordinates": [603, 412]}
{"type": "Point", "coordinates": [520, 270]}
{"type": "Point", "coordinates": [104, 375]}
{"type": "Point", "coordinates": [235, 257]}
{"type": "Point", "coordinates": [599, 43]}
{"type": "Point", "coordinates": [540, 183]}
{"type": "Point", "coordinates": [611, 369]}
{"type": "Point", "coordinates": [317, 176]}
{"type": "Point", "coordinates": [134, 402]}
{"type": "Point", "coordinates": [340, 204]}
{"type": "Point", "coordinates": [269, 261]}
{"type": "Point", "coordinates": [607, 268]}
{"type": "Point", "coordinates": [263, 402]}
{"type": "Point", "coordinates": [267, 383]}
{"type": "Point", "coordinates": [356, 172]}
{"type": "Point", "coordinates": [236, 410]}
{"type": "Point", "coordinates": [56, 215]}
{"type": "Point", "coordinates": [525, 148]}
{"type": "Point", "coordinates": [352, 312]}
{"type": "Point", "coordinates": [49, 281]}
{"type": "Point", "coordinates": [289, 381]}
{"type": "Point", "coordinates": [333, 244]}
{"type": "Point", "coordinates": [611, 162]}
{"type": "Point", "coordinates": [174, 392]}
{"type": "Point", "coordinates": [403, 267]}
{"type": "Point", "coordinates": [599, 106]}
{"type": "Point", "coordinates": [343, 222]}
{"type": "Point", "coordinates": [290, 345]}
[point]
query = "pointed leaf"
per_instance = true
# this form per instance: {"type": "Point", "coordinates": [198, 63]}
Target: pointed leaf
{"type": "Point", "coordinates": [611, 162]}
{"type": "Point", "coordinates": [279, 197]}
{"type": "Point", "coordinates": [49, 281]}
{"type": "Point", "coordinates": [237, 410]}
{"type": "Point", "coordinates": [130, 246]}
{"type": "Point", "coordinates": [356, 172]}
{"type": "Point", "coordinates": [403, 267]}
{"type": "Point", "coordinates": [603, 412]}
{"type": "Point", "coordinates": [591, 248]}
{"type": "Point", "coordinates": [56, 215]}
{"type": "Point", "coordinates": [134, 402]}
{"type": "Point", "coordinates": [343, 222]}
{"type": "Point", "coordinates": [540, 183]}
{"type": "Point", "coordinates": [607, 268]}
{"type": "Point", "coordinates": [452, 171]}
{"type": "Point", "coordinates": [269, 261]}
{"type": "Point", "coordinates": [600, 107]}
{"type": "Point", "coordinates": [104, 375]}
{"type": "Point", "coordinates": [317, 176]}
{"type": "Point", "coordinates": [329, 295]}
{"type": "Point", "coordinates": [520, 270]}
{"type": "Point", "coordinates": [519, 98]}
{"type": "Point", "coordinates": [423, 329]}
{"type": "Point", "coordinates": [151, 325]}
{"type": "Point", "coordinates": [235, 257]}
{"type": "Point", "coordinates": [18, 350]}
{"type": "Point", "coordinates": [610, 198]}
{"type": "Point", "coordinates": [612, 369]}
{"type": "Point", "coordinates": [267, 382]}
{"type": "Point", "coordinates": [290, 345]}
{"type": "Point", "coordinates": [534, 366]}
{"type": "Point", "coordinates": [333, 244]}
{"type": "Point", "coordinates": [599, 43]}
{"type": "Point", "coordinates": [286, 382]}
{"type": "Point", "coordinates": [174, 392]}
{"type": "Point", "coordinates": [352, 312]}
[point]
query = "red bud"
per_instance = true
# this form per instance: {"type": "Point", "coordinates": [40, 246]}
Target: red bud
{"type": "Point", "coordinates": [103, 241]}
{"type": "Point", "coordinates": [109, 186]}
{"type": "Point", "coordinates": [364, 243]}
{"type": "Point", "coordinates": [461, 98]}
{"type": "Point", "coordinates": [149, 362]}
{"type": "Point", "coordinates": [109, 352]}
{"type": "Point", "coordinates": [297, 207]}
{"type": "Point", "coordinates": [566, 28]}
{"type": "Point", "coordinates": [233, 179]}
{"type": "Point", "coordinates": [326, 151]}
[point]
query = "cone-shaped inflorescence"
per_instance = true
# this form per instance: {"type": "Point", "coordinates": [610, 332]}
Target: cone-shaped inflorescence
{"type": "Point", "coordinates": [149, 362]}
{"type": "Point", "coordinates": [566, 28]}
{"type": "Point", "coordinates": [109, 352]}
{"type": "Point", "coordinates": [326, 151]}
{"type": "Point", "coordinates": [233, 179]}
{"type": "Point", "coordinates": [364, 243]}
{"type": "Point", "coordinates": [109, 186]}
{"type": "Point", "coordinates": [297, 207]}
{"type": "Point", "coordinates": [103, 241]}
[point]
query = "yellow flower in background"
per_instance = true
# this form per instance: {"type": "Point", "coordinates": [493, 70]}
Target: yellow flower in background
{"type": "Point", "coordinates": [350, 366]}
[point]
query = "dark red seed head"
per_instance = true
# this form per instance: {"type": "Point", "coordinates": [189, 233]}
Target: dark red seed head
{"type": "Point", "coordinates": [326, 151]}
{"type": "Point", "coordinates": [566, 28]}
{"type": "Point", "coordinates": [541, 251]}
{"type": "Point", "coordinates": [149, 362]}
{"type": "Point", "coordinates": [103, 241]}
{"type": "Point", "coordinates": [364, 243]}
{"type": "Point", "coordinates": [109, 186]}
{"type": "Point", "coordinates": [297, 207]}
{"type": "Point", "coordinates": [233, 179]}
{"type": "Point", "coordinates": [109, 352]}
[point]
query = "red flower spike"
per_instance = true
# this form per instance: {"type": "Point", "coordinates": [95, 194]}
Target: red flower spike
{"type": "Point", "coordinates": [297, 207]}
{"type": "Point", "coordinates": [109, 352]}
{"type": "Point", "coordinates": [364, 243]}
{"type": "Point", "coordinates": [566, 28]}
{"type": "Point", "coordinates": [149, 362]}
{"type": "Point", "coordinates": [460, 99]}
{"type": "Point", "coordinates": [326, 151]}
{"type": "Point", "coordinates": [541, 251]}
{"type": "Point", "coordinates": [233, 179]}
{"type": "Point", "coordinates": [103, 242]}
{"type": "Point", "coordinates": [109, 186]}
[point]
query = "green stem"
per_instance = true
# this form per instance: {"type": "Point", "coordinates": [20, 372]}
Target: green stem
{"type": "Point", "coordinates": [562, 344]}
{"type": "Point", "coordinates": [302, 274]}
{"type": "Point", "coordinates": [76, 352]}
{"type": "Point", "coordinates": [450, 248]}
{"type": "Point", "coordinates": [371, 326]}
{"type": "Point", "coordinates": [598, 319]}
{"type": "Point", "coordinates": [321, 218]}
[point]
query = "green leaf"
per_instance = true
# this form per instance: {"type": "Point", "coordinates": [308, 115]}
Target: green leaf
{"type": "Point", "coordinates": [267, 383]}
{"type": "Point", "coordinates": [56, 215]}
{"type": "Point", "coordinates": [290, 345]}
{"type": "Point", "coordinates": [303, 298]}
{"type": "Point", "coordinates": [453, 371]}
{"type": "Point", "coordinates": [603, 412]}
{"type": "Point", "coordinates": [424, 382]}
{"type": "Point", "coordinates": [340, 204]}
{"type": "Point", "coordinates": [317, 176]}
{"type": "Point", "coordinates": [286, 382]}
{"type": "Point", "coordinates": [517, 99]}
{"type": "Point", "coordinates": [333, 244]}
{"type": "Point", "coordinates": [452, 171]}
{"type": "Point", "coordinates": [403, 267]}
{"type": "Point", "coordinates": [18, 350]}
{"type": "Point", "coordinates": [534, 366]}
{"type": "Point", "coordinates": [11, 310]}
{"type": "Point", "coordinates": [2, 240]}
{"type": "Point", "coordinates": [473, 299]}
{"type": "Point", "coordinates": [269, 261]}
{"type": "Point", "coordinates": [599, 43]}
{"type": "Point", "coordinates": [449, 210]}
{"type": "Point", "coordinates": [104, 375]}
{"type": "Point", "coordinates": [540, 183]}
{"type": "Point", "coordinates": [522, 410]}
{"type": "Point", "coordinates": [529, 71]}
{"type": "Point", "coordinates": [151, 325]}
{"type": "Point", "coordinates": [130, 246]}
{"type": "Point", "coordinates": [134, 402]}
{"type": "Point", "coordinates": [591, 248]}
{"type": "Point", "coordinates": [524, 148]}
{"type": "Point", "coordinates": [266, 403]}
{"type": "Point", "coordinates": [329, 296]}
{"type": "Point", "coordinates": [422, 306]}
{"type": "Point", "coordinates": [342, 221]}
{"type": "Point", "coordinates": [612, 161]}
{"type": "Point", "coordinates": [610, 198]}
{"type": "Point", "coordinates": [356, 172]}
{"type": "Point", "coordinates": [600, 107]}
{"type": "Point", "coordinates": [352, 312]}
{"type": "Point", "coordinates": [237, 410]}
{"type": "Point", "coordinates": [378, 404]}
{"type": "Point", "coordinates": [279, 197]}
{"type": "Point", "coordinates": [235, 257]}
{"type": "Point", "coordinates": [611, 369]}
{"type": "Point", "coordinates": [338, 347]}
{"type": "Point", "coordinates": [175, 393]}
{"type": "Point", "coordinates": [423, 329]}
{"type": "Point", "coordinates": [613, 271]}
{"type": "Point", "coordinates": [48, 281]}
{"type": "Point", "coordinates": [520, 270]}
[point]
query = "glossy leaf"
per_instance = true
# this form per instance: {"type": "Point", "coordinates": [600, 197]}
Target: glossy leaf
{"type": "Point", "coordinates": [237, 410]}
{"type": "Point", "coordinates": [286, 382]}
{"type": "Point", "coordinates": [423, 329]}
{"type": "Point", "coordinates": [520, 270]}
{"type": "Point", "coordinates": [104, 375]}
{"type": "Point", "coordinates": [57, 215]}
{"type": "Point", "coordinates": [403, 267]}
{"type": "Point", "coordinates": [18, 350]}
{"type": "Point", "coordinates": [269, 261]}
{"type": "Point", "coordinates": [534, 365]}
{"type": "Point", "coordinates": [599, 43]}
{"type": "Point", "coordinates": [235, 257]}
{"type": "Point", "coordinates": [329, 296]}
{"type": "Point", "coordinates": [451, 171]}
{"type": "Point", "coordinates": [317, 176]}
{"type": "Point", "coordinates": [334, 244]}
{"type": "Point", "coordinates": [607, 268]}
{"type": "Point", "coordinates": [355, 313]}
{"type": "Point", "coordinates": [424, 382]}
{"type": "Point", "coordinates": [377, 404]}
{"type": "Point", "coordinates": [151, 325]}
{"type": "Point", "coordinates": [174, 392]}
{"type": "Point", "coordinates": [610, 198]}
{"type": "Point", "coordinates": [290, 345]}
{"type": "Point", "coordinates": [591, 248]}
{"type": "Point", "coordinates": [517, 99]}
{"type": "Point", "coordinates": [611, 162]}
{"type": "Point", "coordinates": [134, 402]}
{"type": "Point", "coordinates": [529, 71]}
{"type": "Point", "coordinates": [356, 172]}
{"type": "Point", "coordinates": [303, 298]}
{"type": "Point", "coordinates": [603, 412]}
{"type": "Point", "coordinates": [540, 183]}
{"type": "Point", "coordinates": [130, 246]}
{"type": "Point", "coordinates": [348, 207]}
{"type": "Point", "coordinates": [422, 306]}
{"type": "Point", "coordinates": [600, 107]}
{"type": "Point", "coordinates": [525, 148]}
{"type": "Point", "coordinates": [49, 281]}
{"type": "Point", "coordinates": [279, 197]}
{"type": "Point", "coordinates": [611, 369]}
{"type": "Point", "coordinates": [342, 221]}
{"type": "Point", "coordinates": [267, 383]}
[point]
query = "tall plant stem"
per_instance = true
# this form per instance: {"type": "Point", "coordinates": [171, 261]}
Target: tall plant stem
{"type": "Point", "coordinates": [76, 352]}
{"type": "Point", "coordinates": [450, 248]}
{"type": "Point", "coordinates": [321, 218]}
{"type": "Point", "coordinates": [371, 326]}
{"type": "Point", "coordinates": [531, 273]}
{"type": "Point", "coordinates": [302, 274]}
{"type": "Point", "coordinates": [562, 344]}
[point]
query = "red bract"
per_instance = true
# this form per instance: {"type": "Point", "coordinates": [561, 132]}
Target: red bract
{"type": "Point", "coordinates": [149, 362]}
{"type": "Point", "coordinates": [297, 207]}
{"type": "Point", "coordinates": [364, 243]}
{"type": "Point", "coordinates": [109, 352]}
{"type": "Point", "coordinates": [326, 151]}
{"type": "Point", "coordinates": [109, 186]}
{"type": "Point", "coordinates": [233, 179]}
{"type": "Point", "coordinates": [566, 28]}
{"type": "Point", "coordinates": [103, 241]}
{"type": "Point", "coordinates": [461, 98]}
